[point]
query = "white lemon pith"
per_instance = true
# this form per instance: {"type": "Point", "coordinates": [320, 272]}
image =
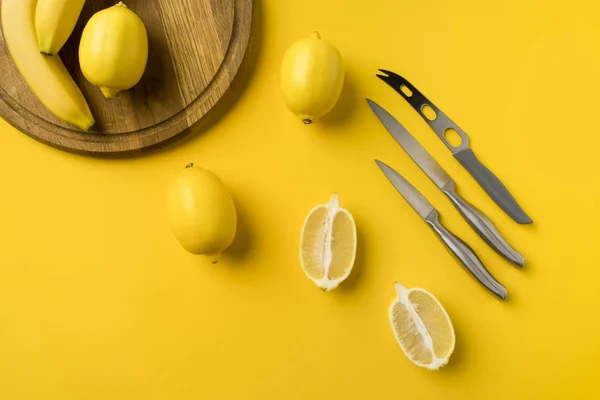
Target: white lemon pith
{"type": "Point", "coordinates": [201, 212]}
{"type": "Point", "coordinates": [328, 244]}
{"type": "Point", "coordinates": [422, 327]}
{"type": "Point", "coordinates": [312, 76]}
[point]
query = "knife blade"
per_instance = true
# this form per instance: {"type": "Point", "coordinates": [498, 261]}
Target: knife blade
{"type": "Point", "coordinates": [440, 123]}
{"type": "Point", "coordinates": [430, 215]}
{"type": "Point", "coordinates": [478, 221]}
{"type": "Point", "coordinates": [411, 146]}
{"type": "Point", "coordinates": [416, 200]}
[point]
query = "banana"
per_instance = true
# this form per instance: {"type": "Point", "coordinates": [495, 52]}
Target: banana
{"type": "Point", "coordinates": [54, 22]}
{"type": "Point", "coordinates": [46, 76]}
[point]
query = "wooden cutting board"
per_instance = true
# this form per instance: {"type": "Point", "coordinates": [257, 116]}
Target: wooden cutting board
{"type": "Point", "coordinates": [195, 50]}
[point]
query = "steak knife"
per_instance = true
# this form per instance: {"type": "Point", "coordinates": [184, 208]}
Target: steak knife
{"type": "Point", "coordinates": [464, 253]}
{"type": "Point", "coordinates": [482, 225]}
{"type": "Point", "coordinates": [440, 123]}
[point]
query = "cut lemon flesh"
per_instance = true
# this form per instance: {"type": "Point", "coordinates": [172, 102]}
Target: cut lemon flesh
{"type": "Point", "coordinates": [422, 327]}
{"type": "Point", "coordinates": [328, 244]}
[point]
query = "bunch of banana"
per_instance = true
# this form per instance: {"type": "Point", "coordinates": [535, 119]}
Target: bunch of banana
{"type": "Point", "coordinates": [33, 27]}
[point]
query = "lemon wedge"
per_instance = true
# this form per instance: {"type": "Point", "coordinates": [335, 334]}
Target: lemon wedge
{"type": "Point", "coordinates": [328, 244]}
{"type": "Point", "coordinates": [422, 327]}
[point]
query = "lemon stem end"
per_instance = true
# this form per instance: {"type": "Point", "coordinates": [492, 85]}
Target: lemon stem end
{"type": "Point", "coordinates": [307, 121]}
{"type": "Point", "coordinates": [315, 35]}
{"type": "Point", "coordinates": [190, 165]}
{"type": "Point", "coordinates": [214, 257]}
{"type": "Point", "coordinates": [109, 92]}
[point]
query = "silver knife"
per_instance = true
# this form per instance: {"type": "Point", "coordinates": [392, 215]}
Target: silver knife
{"type": "Point", "coordinates": [464, 253]}
{"type": "Point", "coordinates": [440, 123]}
{"type": "Point", "coordinates": [482, 225]}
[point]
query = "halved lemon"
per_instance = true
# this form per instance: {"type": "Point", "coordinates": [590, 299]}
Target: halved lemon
{"type": "Point", "coordinates": [422, 327]}
{"type": "Point", "coordinates": [328, 244]}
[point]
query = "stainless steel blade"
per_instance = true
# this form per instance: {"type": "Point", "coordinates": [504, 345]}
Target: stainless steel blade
{"type": "Point", "coordinates": [411, 146]}
{"type": "Point", "coordinates": [408, 191]}
{"type": "Point", "coordinates": [440, 124]}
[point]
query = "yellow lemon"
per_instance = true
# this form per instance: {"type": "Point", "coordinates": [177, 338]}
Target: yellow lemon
{"type": "Point", "coordinates": [328, 244]}
{"type": "Point", "coordinates": [422, 327]}
{"type": "Point", "coordinates": [113, 51]}
{"type": "Point", "coordinates": [312, 76]}
{"type": "Point", "coordinates": [201, 212]}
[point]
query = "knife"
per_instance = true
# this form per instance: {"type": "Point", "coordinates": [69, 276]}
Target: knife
{"type": "Point", "coordinates": [482, 225]}
{"type": "Point", "coordinates": [440, 123]}
{"type": "Point", "coordinates": [464, 253]}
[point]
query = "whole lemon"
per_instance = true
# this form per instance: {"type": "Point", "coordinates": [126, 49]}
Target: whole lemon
{"type": "Point", "coordinates": [201, 212]}
{"type": "Point", "coordinates": [113, 51]}
{"type": "Point", "coordinates": [312, 76]}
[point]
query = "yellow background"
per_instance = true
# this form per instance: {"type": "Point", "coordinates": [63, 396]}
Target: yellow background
{"type": "Point", "coordinates": [99, 301]}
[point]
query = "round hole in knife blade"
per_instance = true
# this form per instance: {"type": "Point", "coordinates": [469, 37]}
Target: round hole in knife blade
{"type": "Point", "coordinates": [452, 137]}
{"type": "Point", "coordinates": [428, 112]}
{"type": "Point", "coordinates": [404, 89]}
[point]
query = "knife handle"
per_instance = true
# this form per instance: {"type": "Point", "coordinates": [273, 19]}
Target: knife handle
{"type": "Point", "coordinates": [492, 186]}
{"type": "Point", "coordinates": [466, 255]}
{"type": "Point", "coordinates": [483, 226]}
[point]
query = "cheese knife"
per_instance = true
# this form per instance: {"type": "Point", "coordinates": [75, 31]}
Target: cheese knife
{"type": "Point", "coordinates": [480, 223]}
{"type": "Point", "coordinates": [440, 123]}
{"type": "Point", "coordinates": [426, 211]}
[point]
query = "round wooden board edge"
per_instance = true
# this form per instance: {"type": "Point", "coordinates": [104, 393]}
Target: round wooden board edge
{"type": "Point", "coordinates": [159, 135]}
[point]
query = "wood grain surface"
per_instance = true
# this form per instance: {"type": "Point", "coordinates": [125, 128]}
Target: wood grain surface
{"type": "Point", "coordinates": [195, 50]}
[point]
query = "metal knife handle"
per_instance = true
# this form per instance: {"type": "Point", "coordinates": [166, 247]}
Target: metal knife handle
{"type": "Point", "coordinates": [466, 255]}
{"type": "Point", "coordinates": [492, 185]}
{"type": "Point", "coordinates": [483, 226]}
